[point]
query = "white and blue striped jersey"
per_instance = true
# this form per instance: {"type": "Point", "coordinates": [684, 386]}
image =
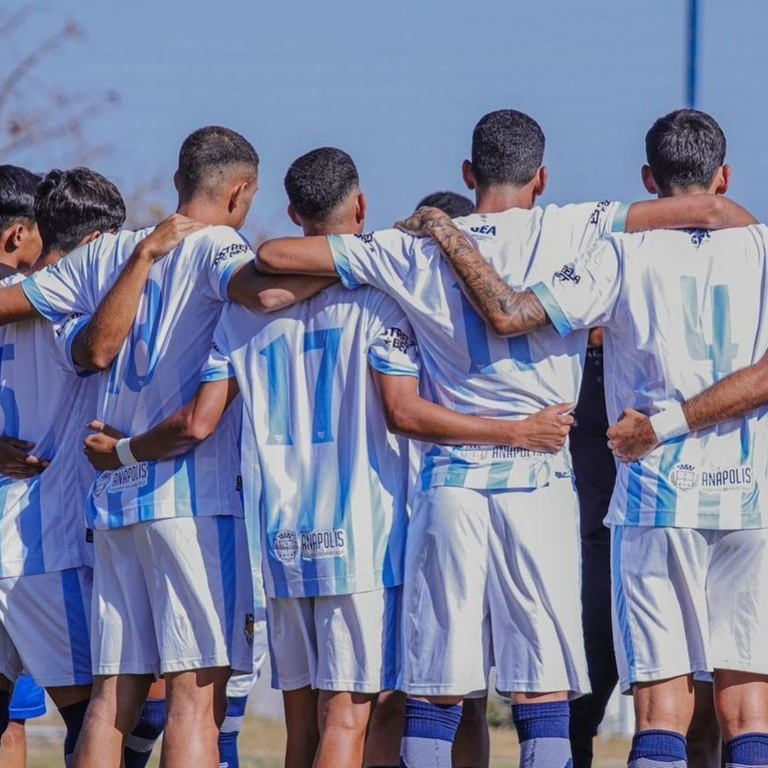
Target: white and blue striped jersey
{"type": "Point", "coordinates": [681, 311]}
{"type": "Point", "coordinates": [331, 483]}
{"type": "Point", "coordinates": [466, 366]}
{"type": "Point", "coordinates": [42, 519]}
{"type": "Point", "coordinates": [157, 369]}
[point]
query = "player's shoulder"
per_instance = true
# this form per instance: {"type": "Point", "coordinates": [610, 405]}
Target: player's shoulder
{"type": "Point", "coordinates": [217, 239]}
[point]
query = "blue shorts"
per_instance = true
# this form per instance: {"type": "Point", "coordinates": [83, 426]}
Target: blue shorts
{"type": "Point", "coordinates": [28, 699]}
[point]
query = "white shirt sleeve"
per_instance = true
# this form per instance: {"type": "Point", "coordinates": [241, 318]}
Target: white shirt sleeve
{"type": "Point", "coordinates": [228, 253]}
{"type": "Point", "coordinates": [376, 258]}
{"type": "Point", "coordinates": [393, 350]}
{"type": "Point", "coordinates": [66, 287]}
{"type": "Point", "coordinates": [65, 331]}
{"type": "Point", "coordinates": [584, 292]}
{"type": "Point", "coordinates": [218, 366]}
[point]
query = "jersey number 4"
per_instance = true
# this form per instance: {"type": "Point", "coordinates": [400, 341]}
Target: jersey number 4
{"type": "Point", "coordinates": [722, 351]}
{"type": "Point", "coordinates": [327, 343]}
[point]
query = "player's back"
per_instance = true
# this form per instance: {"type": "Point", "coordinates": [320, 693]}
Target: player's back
{"type": "Point", "coordinates": [157, 368]}
{"type": "Point", "coordinates": [691, 310]}
{"type": "Point", "coordinates": [332, 478]}
{"type": "Point", "coordinates": [467, 366]}
{"type": "Point", "coordinates": [42, 518]}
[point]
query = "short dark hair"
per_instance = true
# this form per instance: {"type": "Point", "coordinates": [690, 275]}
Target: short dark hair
{"type": "Point", "coordinates": [451, 203]}
{"type": "Point", "coordinates": [316, 183]}
{"type": "Point", "coordinates": [17, 195]}
{"type": "Point", "coordinates": [684, 150]}
{"type": "Point", "coordinates": [208, 153]}
{"type": "Point", "coordinates": [69, 205]}
{"type": "Point", "coordinates": [507, 148]}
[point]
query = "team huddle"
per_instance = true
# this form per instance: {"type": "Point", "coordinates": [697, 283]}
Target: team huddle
{"type": "Point", "coordinates": [351, 451]}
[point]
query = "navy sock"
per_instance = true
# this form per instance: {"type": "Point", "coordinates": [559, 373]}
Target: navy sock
{"type": "Point", "coordinates": [141, 740]}
{"type": "Point", "coordinates": [230, 730]}
{"type": "Point", "coordinates": [543, 733]}
{"type": "Point", "coordinates": [658, 749]}
{"type": "Point", "coordinates": [73, 717]}
{"type": "Point", "coordinates": [5, 703]}
{"type": "Point", "coordinates": [428, 735]}
{"type": "Point", "coordinates": [748, 749]}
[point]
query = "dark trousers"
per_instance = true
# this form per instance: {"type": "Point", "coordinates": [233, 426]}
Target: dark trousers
{"type": "Point", "coordinates": [595, 475]}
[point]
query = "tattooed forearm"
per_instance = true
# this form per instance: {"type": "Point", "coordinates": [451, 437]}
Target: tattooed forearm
{"type": "Point", "coordinates": [509, 312]}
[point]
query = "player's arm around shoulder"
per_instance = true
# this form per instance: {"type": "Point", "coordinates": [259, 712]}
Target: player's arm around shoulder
{"type": "Point", "coordinates": [507, 311]}
{"type": "Point", "coordinates": [687, 212]}
{"type": "Point", "coordinates": [99, 341]}
{"type": "Point", "coordinates": [107, 448]}
{"type": "Point", "coordinates": [296, 255]}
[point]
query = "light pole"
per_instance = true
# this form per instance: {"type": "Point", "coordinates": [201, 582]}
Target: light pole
{"type": "Point", "coordinates": [693, 44]}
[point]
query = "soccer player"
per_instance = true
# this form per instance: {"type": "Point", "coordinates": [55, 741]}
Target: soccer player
{"type": "Point", "coordinates": [681, 310]}
{"type": "Point", "coordinates": [170, 545]}
{"type": "Point", "coordinates": [20, 242]}
{"type": "Point", "coordinates": [27, 702]}
{"type": "Point", "coordinates": [452, 203]}
{"type": "Point", "coordinates": [45, 574]}
{"type": "Point", "coordinates": [465, 589]}
{"type": "Point", "coordinates": [323, 473]}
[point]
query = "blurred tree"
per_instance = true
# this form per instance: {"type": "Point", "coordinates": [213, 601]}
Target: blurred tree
{"type": "Point", "coordinates": [39, 116]}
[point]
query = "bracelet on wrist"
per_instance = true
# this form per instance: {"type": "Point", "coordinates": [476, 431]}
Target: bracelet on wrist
{"type": "Point", "coordinates": [124, 453]}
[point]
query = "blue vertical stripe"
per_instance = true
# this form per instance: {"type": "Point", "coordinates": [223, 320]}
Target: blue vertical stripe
{"type": "Point", "coordinates": [228, 562]}
{"type": "Point", "coordinates": [31, 528]}
{"type": "Point", "coordinates": [77, 626]}
{"type": "Point", "coordinates": [620, 601]}
{"type": "Point", "coordinates": [666, 494]}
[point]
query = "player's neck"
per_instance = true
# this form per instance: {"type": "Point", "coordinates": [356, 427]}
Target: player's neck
{"type": "Point", "coordinates": [203, 211]}
{"type": "Point", "coordinates": [338, 228]}
{"type": "Point", "coordinates": [501, 198]}
{"type": "Point", "coordinates": [47, 259]}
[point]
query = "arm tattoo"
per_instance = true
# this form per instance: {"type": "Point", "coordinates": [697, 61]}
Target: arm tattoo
{"type": "Point", "coordinates": [510, 312]}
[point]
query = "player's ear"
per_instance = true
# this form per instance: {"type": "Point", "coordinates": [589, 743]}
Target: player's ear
{"type": "Point", "coordinates": [293, 216]}
{"type": "Point", "coordinates": [648, 181]}
{"type": "Point", "coordinates": [89, 238]}
{"type": "Point", "coordinates": [361, 208]}
{"type": "Point", "coordinates": [540, 181]}
{"type": "Point", "coordinates": [468, 174]}
{"type": "Point", "coordinates": [176, 181]}
{"type": "Point", "coordinates": [13, 237]}
{"type": "Point", "coordinates": [722, 179]}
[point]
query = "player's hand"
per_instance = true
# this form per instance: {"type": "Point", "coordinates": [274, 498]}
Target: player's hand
{"type": "Point", "coordinates": [547, 430]}
{"type": "Point", "coordinates": [100, 446]}
{"type": "Point", "coordinates": [166, 236]}
{"type": "Point", "coordinates": [16, 461]}
{"type": "Point", "coordinates": [632, 437]}
{"type": "Point", "coordinates": [422, 222]}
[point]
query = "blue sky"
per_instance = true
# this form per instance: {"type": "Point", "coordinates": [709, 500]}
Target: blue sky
{"type": "Point", "coordinates": [400, 86]}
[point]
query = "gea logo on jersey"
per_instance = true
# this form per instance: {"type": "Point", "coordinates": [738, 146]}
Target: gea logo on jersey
{"type": "Point", "coordinates": [568, 273]}
{"type": "Point", "coordinates": [601, 208]}
{"type": "Point", "coordinates": [485, 229]}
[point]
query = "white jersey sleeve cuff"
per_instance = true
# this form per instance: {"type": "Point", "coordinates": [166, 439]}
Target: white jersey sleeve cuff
{"type": "Point", "coordinates": [670, 423]}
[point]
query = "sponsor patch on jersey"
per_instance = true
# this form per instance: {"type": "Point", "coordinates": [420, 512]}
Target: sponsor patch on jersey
{"type": "Point", "coordinates": [568, 274]}
{"type": "Point", "coordinates": [316, 545]}
{"type": "Point", "coordinates": [485, 229]}
{"type": "Point", "coordinates": [229, 252]}
{"type": "Point", "coordinates": [125, 478]}
{"type": "Point", "coordinates": [731, 479]}
{"type": "Point", "coordinates": [686, 477]}
{"type": "Point", "coordinates": [601, 208]}
{"type": "Point", "coordinates": [286, 546]}
{"type": "Point", "coordinates": [398, 339]}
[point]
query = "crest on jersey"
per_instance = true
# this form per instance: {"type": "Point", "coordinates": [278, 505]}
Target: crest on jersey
{"type": "Point", "coordinates": [286, 546]}
{"type": "Point", "coordinates": [101, 483]}
{"type": "Point", "coordinates": [684, 477]}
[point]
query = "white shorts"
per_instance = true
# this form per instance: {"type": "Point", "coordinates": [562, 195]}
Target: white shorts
{"type": "Point", "coordinates": [240, 685]}
{"type": "Point", "coordinates": [45, 627]}
{"type": "Point", "coordinates": [335, 643]}
{"type": "Point", "coordinates": [173, 595]}
{"type": "Point", "coordinates": [688, 601]}
{"type": "Point", "coordinates": [493, 577]}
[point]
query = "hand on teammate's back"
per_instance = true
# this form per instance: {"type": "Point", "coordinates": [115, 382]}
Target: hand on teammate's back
{"type": "Point", "coordinates": [632, 437]}
{"type": "Point", "coordinates": [16, 461]}
{"type": "Point", "coordinates": [167, 235]}
{"type": "Point", "coordinates": [100, 447]}
{"type": "Point", "coordinates": [547, 430]}
{"type": "Point", "coordinates": [421, 222]}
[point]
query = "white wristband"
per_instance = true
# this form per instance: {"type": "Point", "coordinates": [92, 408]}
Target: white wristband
{"type": "Point", "coordinates": [670, 423]}
{"type": "Point", "coordinates": [123, 450]}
